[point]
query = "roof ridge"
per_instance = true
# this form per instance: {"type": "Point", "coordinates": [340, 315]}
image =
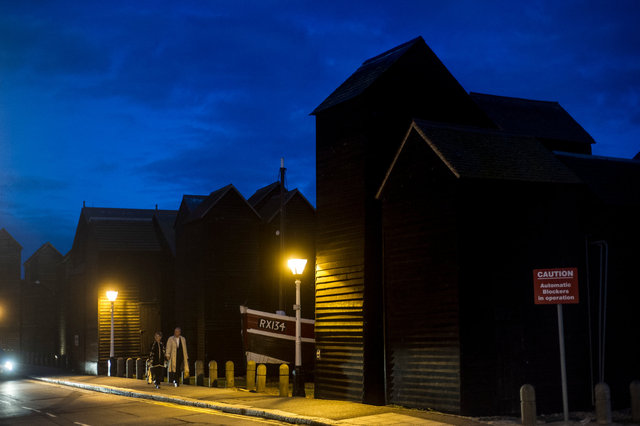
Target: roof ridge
{"type": "Point", "coordinates": [514, 98]}
{"type": "Point", "coordinates": [366, 75]}
{"type": "Point", "coordinates": [392, 50]}
{"type": "Point", "coordinates": [47, 244]}
{"type": "Point", "coordinates": [597, 157]}
{"type": "Point", "coordinates": [10, 236]}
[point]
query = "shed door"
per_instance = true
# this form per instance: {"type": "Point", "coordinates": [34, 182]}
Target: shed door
{"type": "Point", "coordinates": [149, 324]}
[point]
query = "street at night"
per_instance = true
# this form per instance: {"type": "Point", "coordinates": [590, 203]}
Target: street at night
{"type": "Point", "coordinates": [29, 402]}
{"type": "Point", "coordinates": [324, 213]}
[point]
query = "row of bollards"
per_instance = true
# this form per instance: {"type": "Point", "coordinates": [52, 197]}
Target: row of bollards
{"type": "Point", "coordinates": [256, 374]}
{"type": "Point", "coordinates": [603, 403]}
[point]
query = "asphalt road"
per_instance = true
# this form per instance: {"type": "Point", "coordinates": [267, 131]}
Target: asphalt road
{"type": "Point", "coordinates": [28, 402]}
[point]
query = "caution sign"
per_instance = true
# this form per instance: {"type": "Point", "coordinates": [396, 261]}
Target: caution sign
{"type": "Point", "coordinates": [556, 286]}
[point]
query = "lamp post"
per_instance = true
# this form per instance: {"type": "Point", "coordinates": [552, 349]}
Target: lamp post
{"type": "Point", "coordinates": [111, 295]}
{"type": "Point", "coordinates": [297, 268]}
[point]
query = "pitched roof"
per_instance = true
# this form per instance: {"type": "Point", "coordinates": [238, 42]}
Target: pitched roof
{"type": "Point", "coordinates": [474, 153]}
{"type": "Point", "coordinates": [212, 199]}
{"type": "Point", "coordinates": [637, 157]}
{"type": "Point", "coordinates": [615, 181]}
{"type": "Point", "coordinates": [125, 229]}
{"type": "Point", "coordinates": [4, 233]}
{"type": "Point", "coordinates": [46, 246]}
{"type": "Point", "coordinates": [363, 77]}
{"type": "Point", "coordinates": [193, 201]}
{"type": "Point", "coordinates": [543, 119]}
{"type": "Point", "coordinates": [263, 193]}
{"type": "Point", "coordinates": [165, 221]}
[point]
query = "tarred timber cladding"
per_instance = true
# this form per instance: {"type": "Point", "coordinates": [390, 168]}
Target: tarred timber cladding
{"type": "Point", "coordinates": [358, 130]}
{"type": "Point", "coordinates": [40, 302]}
{"type": "Point", "coordinates": [126, 322]}
{"type": "Point", "coordinates": [340, 271]}
{"type": "Point", "coordinates": [218, 261]}
{"type": "Point", "coordinates": [10, 255]}
{"type": "Point", "coordinates": [421, 284]}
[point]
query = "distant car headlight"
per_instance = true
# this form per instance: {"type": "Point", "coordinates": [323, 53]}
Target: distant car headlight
{"type": "Point", "coordinates": [8, 365]}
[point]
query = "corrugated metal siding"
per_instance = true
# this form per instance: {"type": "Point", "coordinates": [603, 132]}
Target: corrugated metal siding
{"type": "Point", "coordinates": [126, 325]}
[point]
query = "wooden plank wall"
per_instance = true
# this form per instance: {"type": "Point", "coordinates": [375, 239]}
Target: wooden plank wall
{"type": "Point", "coordinates": [10, 255]}
{"type": "Point", "coordinates": [126, 325]}
{"type": "Point", "coordinates": [421, 287]}
{"type": "Point", "coordinates": [340, 269]}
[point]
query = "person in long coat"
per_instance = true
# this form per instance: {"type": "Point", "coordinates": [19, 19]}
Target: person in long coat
{"type": "Point", "coordinates": [157, 359]}
{"type": "Point", "coordinates": [177, 356]}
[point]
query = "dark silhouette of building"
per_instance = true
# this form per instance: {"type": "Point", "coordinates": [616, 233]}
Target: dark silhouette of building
{"type": "Point", "coordinates": [42, 319]}
{"type": "Point", "coordinates": [218, 269]}
{"type": "Point", "coordinates": [433, 208]}
{"type": "Point", "coordinates": [299, 242]}
{"type": "Point", "coordinates": [10, 256]}
{"type": "Point", "coordinates": [127, 250]}
{"type": "Point", "coordinates": [468, 214]}
{"type": "Point", "coordinates": [227, 256]}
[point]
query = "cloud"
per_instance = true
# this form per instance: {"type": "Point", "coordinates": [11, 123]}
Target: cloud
{"type": "Point", "coordinates": [19, 185]}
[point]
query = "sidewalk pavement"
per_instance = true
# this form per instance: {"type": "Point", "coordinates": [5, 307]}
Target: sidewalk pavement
{"type": "Point", "coordinates": [290, 410]}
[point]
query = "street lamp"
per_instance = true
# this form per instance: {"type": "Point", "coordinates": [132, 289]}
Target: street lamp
{"type": "Point", "coordinates": [112, 295]}
{"type": "Point", "coordinates": [297, 268]}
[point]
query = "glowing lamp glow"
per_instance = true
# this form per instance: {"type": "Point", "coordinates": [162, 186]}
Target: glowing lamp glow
{"type": "Point", "coordinates": [297, 266]}
{"type": "Point", "coordinates": [112, 295]}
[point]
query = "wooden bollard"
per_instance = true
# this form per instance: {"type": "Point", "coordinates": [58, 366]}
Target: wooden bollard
{"type": "Point", "coordinates": [262, 378]}
{"type": "Point", "coordinates": [284, 380]}
{"type": "Point", "coordinates": [213, 373]}
{"type": "Point", "coordinates": [130, 368]}
{"type": "Point", "coordinates": [528, 405]}
{"type": "Point", "coordinates": [634, 390]}
{"type": "Point", "coordinates": [140, 365]}
{"type": "Point", "coordinates": [603, 404]}
{"type": "Point", "coordinates": [199, 373]}
{"type": "Point", "coordinates": [120, 367]}
{"type": "Point", "coordinates": [251, 375]}
{"type": "Point", "coordinates": [228, 374]}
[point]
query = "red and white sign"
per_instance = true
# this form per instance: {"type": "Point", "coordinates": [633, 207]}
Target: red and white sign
{"type": "Point", "coordinates": [557, 286]}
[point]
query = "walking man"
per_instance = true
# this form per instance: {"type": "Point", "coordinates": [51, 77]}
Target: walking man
{"type": "Point", "coordinates": [177, 357]}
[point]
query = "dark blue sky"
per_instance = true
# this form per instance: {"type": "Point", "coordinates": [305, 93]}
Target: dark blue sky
{"type": "Point", "coordinates": [134, 103]}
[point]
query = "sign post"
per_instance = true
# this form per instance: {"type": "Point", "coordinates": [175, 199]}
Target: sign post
{"type": "Point", "coordinates": [558, 286]}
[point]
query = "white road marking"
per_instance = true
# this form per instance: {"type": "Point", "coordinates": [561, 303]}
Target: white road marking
{"type": "Point", "coordinates": [80, 424]}
{"type": "Point", "coordinates": [31, 409]}
{"type": "Point", "coordinates": [50, 415]}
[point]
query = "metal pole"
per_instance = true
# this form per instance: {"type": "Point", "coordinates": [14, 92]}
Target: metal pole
{"type": "Point", "coordinates": [111, 349]}
{"type": "Point", "coordinates": [298, 382]}
{"type": "Point", "coordinates": [281, 258]}
{"type": "Point", "coordinates": [298, 339]}
{"type": "Point", "coordinates": [563, 366]}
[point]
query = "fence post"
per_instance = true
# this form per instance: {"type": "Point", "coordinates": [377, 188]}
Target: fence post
{"type": "Point", "coordinates": [228, 373]}
{"type": "Point", "coordinates": [634, 389]}
{"type": "Point", "coordinates": [251, 375]}
{"type": "Point", "coordinates": [603, 404]}
{"type": "Point", "coordinates": [199, 373]}
{"type": "Point", "coordinates": [284, 380]}
{"type": "Point", "coordinates": [140, 364]}
{"type": "Point", "coordinates": [528, 405]}
{"type": "Point", "coordinates": [130, 367]}
{"type": "Point", "coordinates": [213, 373]}
{"type": "Point", "coordinates": [262, 378]}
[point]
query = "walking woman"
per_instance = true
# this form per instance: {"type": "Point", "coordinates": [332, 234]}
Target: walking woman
{"type": "Point", "coordinates": [156, 359]}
